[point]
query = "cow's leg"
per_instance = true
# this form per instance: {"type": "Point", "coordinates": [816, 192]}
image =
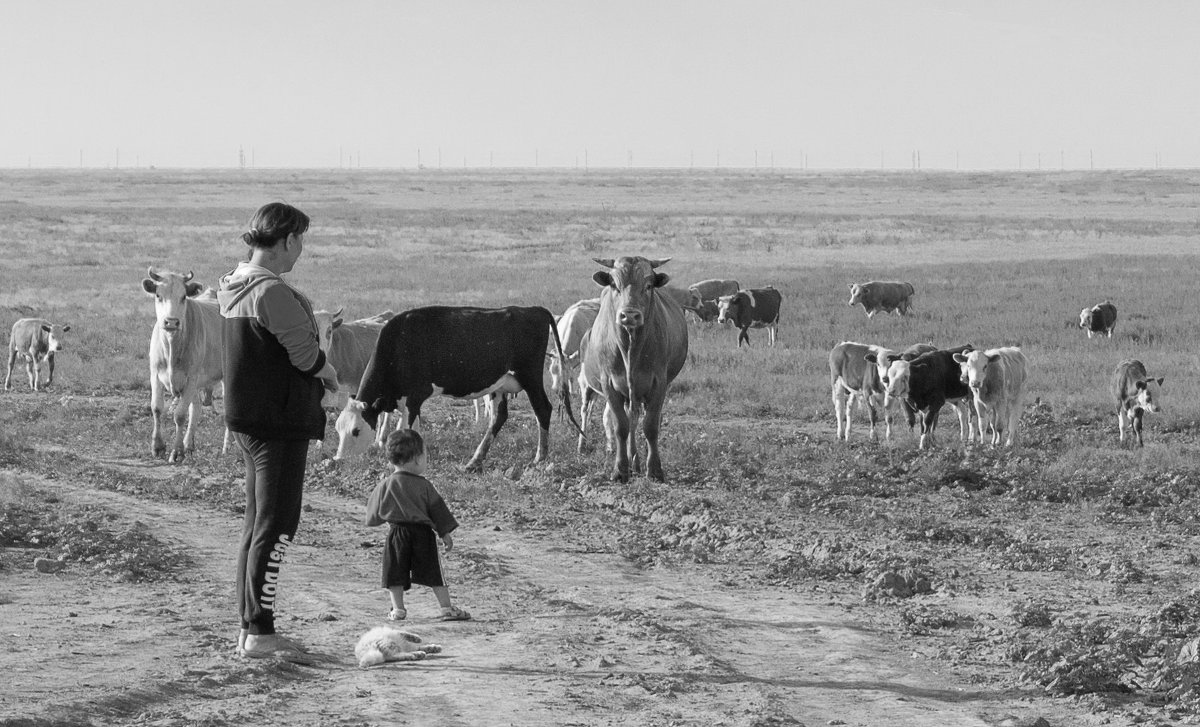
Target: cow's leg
{"type": "Point", "coordinates": [181, 416]}
{"type": "Point", "coordinates": [1137, 425]}
{"type": "Point", "coordinates": [542, 409]}
{"type": "Point", "coordinates": [50, 369]}
{"type": "Point", "coordinates": [499, 416]}
{"type": "Point", "coordinates": [635, 412]}
{"type": "Point", "coordinates": [157, 404]}
{"type": "Point", "coordinates": [841, 410]}
{"type": "Point", "coordinates": [1014, 417]}
{"type": "Point", "coordinates": [12, 359]}
{"type": "Point", "coordinates": [868, 401]}
{"type": "Point", "coordinates": [1121, 424]}
{"type": "Point", "coordinates": [193, 422]}
{"type": "Point", "coordinates": [615, 412]}
{"type": "Point", "coordinates": [928, 425]}
{"type": "Point", "coordinates": [651, 426]}
{"type": "Point", "coordinates": [32, 370]}
{"type": "Point", "coordinates": [744, 336]}
{"type": "Point", "coordinates": [1089, 333]}
{"type": "Point", "coordinates": [772, 334]}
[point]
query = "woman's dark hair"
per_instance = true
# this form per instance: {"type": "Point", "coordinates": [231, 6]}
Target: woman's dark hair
{"type": "Point", "coordinates": [274, 222]}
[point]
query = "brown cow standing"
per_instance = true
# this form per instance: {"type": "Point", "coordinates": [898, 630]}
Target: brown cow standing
{"type": "Point", "coordinates": [637, 346]}
{"type": "Point", "coordinates": [36, 340]}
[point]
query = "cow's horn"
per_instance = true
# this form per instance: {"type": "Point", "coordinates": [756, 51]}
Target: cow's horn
{"type": "Point", "coordinates": [656, 263]}
{"type": "Point", "coordinates": [188, 276]}
{"type": "Point", "coordinates": [606, 262]}
{"type": "Point", "coordinates": [153, 273]}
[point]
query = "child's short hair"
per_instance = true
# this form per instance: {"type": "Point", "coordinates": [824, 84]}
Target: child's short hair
{"type": "Point", "coordinates": [404, 445]}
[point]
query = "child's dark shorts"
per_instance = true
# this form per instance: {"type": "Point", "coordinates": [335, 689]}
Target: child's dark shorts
{"type": "Point", "coordinates": [411, 556]}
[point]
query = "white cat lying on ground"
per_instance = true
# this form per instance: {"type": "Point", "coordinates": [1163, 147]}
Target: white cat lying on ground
{"type": "Point", "coordinates": [384, 643]}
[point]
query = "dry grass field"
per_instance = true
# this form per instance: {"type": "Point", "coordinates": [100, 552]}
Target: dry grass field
{"type": "Point", "coordinates": [1052, 580]}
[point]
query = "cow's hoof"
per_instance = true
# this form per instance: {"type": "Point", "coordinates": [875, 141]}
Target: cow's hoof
{"type": "Point", "coordinates": [176, 457]}
{"type": "Point", "coordinates": [473, 467]}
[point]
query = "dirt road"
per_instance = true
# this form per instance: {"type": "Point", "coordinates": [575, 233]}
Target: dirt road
{"type": "Point", "coordinates": [561, 636]}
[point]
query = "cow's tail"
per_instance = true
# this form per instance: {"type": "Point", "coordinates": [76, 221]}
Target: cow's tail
{"type": "Point", "coordinates": [564, 385]}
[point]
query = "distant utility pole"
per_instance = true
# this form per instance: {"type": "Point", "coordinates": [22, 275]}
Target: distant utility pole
{"type": "Point", "coordinates": [241, 158]}
{"type": "Point", "coordinates": [585, 159]}
{"type": "Point", "coordinates": [718, 158]}
{"type": "Point", "coordinates": [1091, 160]}
{"type": "Point", "coordinates": [419, 158]}
{"type": "Point", "coordinates": [956, 161]}
{"type": "Point", "coordinates": [81, 158]}
{"type": "Point", "coordinates": [439, 157]}
{"type": "Point", "coordinates": [536, 161]}
{"type": "Point", "coordinates": [1062, 159]}
{"type": "Point", "coordinates": [756, 158]}
{"type": "Point", "coordinates": [630, 158]}
{"type": "Point", "coordinates": [118, 164]}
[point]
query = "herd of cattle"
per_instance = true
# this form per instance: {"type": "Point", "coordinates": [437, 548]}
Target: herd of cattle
{"type": "Point", "coordinates": [626, 345]}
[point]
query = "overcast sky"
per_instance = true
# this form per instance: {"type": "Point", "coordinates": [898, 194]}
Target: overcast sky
{"type": "Point", "coordinates": [323, 83]}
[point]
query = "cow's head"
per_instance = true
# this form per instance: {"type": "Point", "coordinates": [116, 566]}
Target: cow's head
{"type": "Point", "coordinates": [355, 427]}
{"type": "Point", "coordinates": [1147, 396]}
{"type": "Point", "coordinates": [881, 358]}
{"type": "Point", "coordinates": [633, 281]}
{"type": "Point", "coordinates": [1085, 318]}
{"type": "Point", "coordinates": [728, 307]}
{"type": "Point", "coordinates": [327, 323]}
{"type": "Point", "coordinates": [973, 366]}
{"type": "Point", "coordinates": [170, 291]}
{"type": "Point", "coordinates": [856, 291]}
{"type": "Point", "coordinates": [896, 380]}
{"type": "Point", "coordinates": [54, 335]}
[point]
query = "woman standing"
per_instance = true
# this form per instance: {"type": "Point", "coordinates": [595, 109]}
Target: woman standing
{"type": "Point", "coordinates": [275, 374]}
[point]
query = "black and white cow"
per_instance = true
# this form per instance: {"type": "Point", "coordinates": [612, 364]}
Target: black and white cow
{"type": "Point", "coordinates": [1099, 319]}
{"type": "Point", "coordinates": [926, 383]}
{"type": "Point", "coordinates": [461, 352]}
{"type": "Point", "coordinates": [754, 308]}
{"type": "Point", "coordinates": [876, 296]}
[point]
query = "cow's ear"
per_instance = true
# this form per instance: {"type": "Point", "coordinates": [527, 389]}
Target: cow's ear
{"type": "Point", "coordinates": [602, 278]}
{"type": "Point", "coordinates": [1140, 385]}
{"type": "Point", "coordinates": [661, 279]}
{"type": "Point", "coordinates": [993, 358]}
{"type": "Point", "coordinates": [193, 289]}
{"type": "Point", "coordinates": [893, 357]}
{"type": "Point", "coordinates": [871, 357]}
{"type": "Point", "coordinates": [336, 322]}
{"type": "Point", "coordinates": [960, 358]}
{"type": "Point", "coordinates": [149, 286]}
{"type": "Point", "coordinates": [46, 328]}
{"type": "Point", "coordinates": [606, 262]}
{"type": "Point", "coordinates": [67, 328]}
{"type": "Point", "coordinates": [1159, 379]}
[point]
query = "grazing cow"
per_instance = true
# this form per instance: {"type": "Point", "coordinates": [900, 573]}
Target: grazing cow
{"type": "Point", "coordinates": [636, 348]}
{"type": "Point", "coordinates": [185, 355]}
{"type": "Point", "coordinates": [461, 352]}
{"type": "Point", "coordinates": [711, 290]}
{"type": "Point", "coordinates": [925, 384]}
{"type": "Point", "coordinates": [852, 376]}
{"type": "Point", "coordinates": [1099, 319]}
{"type": "Point", "coordinates": [708, 310]}
{"type": "Point", "coordinates": [36, 340]}
{"type": "Point", "coordinates": [1136, 393]}
{"type": "Point", "coordinates": [996, 378]}
{"type": "Point", "coordinates": [575, 321]}
{"type": "Point", "coordinates": [754, 308]}
{"type": "Point", "coordinates": [878, 296]}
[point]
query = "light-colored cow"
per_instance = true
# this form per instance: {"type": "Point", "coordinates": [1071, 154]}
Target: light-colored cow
{"type": "Point", "coordinates": [996, 378]}
{"type": "Point", "coordinates": [185, 355]}
{"type": "Point", "coordinates": [575, 321]}
{"type": "Point", "coordinates": [1136, 393]}
{"type": "Point", "coordinates": [637, 346]}
{"type": "Point", "coordinates": [35, 340]}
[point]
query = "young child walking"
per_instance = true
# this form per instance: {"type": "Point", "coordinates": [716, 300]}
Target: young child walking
{"type": "Point", "coordinates": [416, 513]}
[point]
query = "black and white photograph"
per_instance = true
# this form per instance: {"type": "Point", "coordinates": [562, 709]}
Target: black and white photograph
{"type": "Point", "coordinates": [655, 363]}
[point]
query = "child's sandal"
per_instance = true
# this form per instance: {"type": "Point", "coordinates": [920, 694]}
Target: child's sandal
{"type": "Point", "coordinates": [397, 614]}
